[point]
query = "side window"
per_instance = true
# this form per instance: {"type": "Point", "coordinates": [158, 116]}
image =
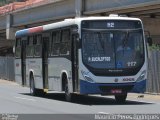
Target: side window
{"type": "Point", "coordinates": [65, 43]}
{"type": "Point", "coordinates": [18, 48]}
{"type": "Point", "coordinates": [38, 45]}
{"type": "Point", "coordinates": [55, 47]}
{"type": "Point", "coordinates": [30, 47]}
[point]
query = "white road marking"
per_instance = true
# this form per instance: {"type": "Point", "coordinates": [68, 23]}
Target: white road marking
{"type": "Point", "coordinates": [25, 98]}
{"type": "Point", "coordinates": [102, 113]}
{"type": "Point", "coordinates": [148, 102]}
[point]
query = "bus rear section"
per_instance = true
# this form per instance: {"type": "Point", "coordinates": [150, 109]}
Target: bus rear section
{"type": "Point", "coordinates": [113, 57]}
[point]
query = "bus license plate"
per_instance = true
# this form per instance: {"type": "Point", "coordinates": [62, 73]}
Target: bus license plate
{"type": "Point", "coordinates": [116, 91]}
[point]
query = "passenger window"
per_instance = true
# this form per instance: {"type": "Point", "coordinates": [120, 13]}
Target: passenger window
{"type": "Point", "coordinates": [66, 42]}
{"type": "Point", "coordinates": [18, 48]}
{"type": "Point", "coordinates": [38, 45]}
{"type": "Point", "coordinates": [30, 47]}
{"type": "Point", "coordinates": [55, 47]}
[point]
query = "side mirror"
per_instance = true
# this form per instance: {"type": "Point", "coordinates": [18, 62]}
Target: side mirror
{"type": "Point", "coordinates": [149, 40]}
{"type": "Point", "coordinates": [77, 36]}
{"type": "Point", "coordinates": [14, 49]}
{"type": "Point", "coordinates": [74, 32]}
{"type": "Point", "coordinates": [76, 40]}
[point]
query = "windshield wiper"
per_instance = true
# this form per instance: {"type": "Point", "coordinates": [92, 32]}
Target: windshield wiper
{"type": "Point", "coordinates": [100, 39]}
{"type": "Point", "coordinates": [125, 41]}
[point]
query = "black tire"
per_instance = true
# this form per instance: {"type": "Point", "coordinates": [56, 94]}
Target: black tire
{"type": "Point", "coordinates": [32, 86]}
{"type": "Point", "coordinates": [68, 95]}
{"type": "Point", "coordinates": [34, 91]}
{"type": "Point", "coordinates": [121, 98]}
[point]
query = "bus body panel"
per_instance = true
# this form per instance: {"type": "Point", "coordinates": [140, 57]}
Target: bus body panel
{"type": "Point", "coordinates": [56, 67]}
{"type": "Point", "coordinates": [34, 65]}
{"type": "Point", "coordinates": [18, 73]}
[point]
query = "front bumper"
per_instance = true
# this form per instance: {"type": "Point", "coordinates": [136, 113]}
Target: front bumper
{"type": "Point", "coordinates": [105, 88]}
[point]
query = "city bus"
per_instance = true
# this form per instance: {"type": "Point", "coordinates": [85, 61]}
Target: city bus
{"type": "Point", "coordinates": [85, 55]}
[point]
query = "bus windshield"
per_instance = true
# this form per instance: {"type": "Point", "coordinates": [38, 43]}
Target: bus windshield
{"type": "Point", "coordinates": [113, 50]}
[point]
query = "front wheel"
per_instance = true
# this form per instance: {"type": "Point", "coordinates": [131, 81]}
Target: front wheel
{"type": "Point", "coordinates": [121, 98]}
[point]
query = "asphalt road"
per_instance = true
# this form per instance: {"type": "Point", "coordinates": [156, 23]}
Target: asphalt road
{"type": "Point", "coordinates": [15, 99]}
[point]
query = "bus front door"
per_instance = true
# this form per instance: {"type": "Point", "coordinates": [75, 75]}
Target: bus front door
{"type": "Point", "coordinates": [74, 58]}
{"type": "Point", "coordinates": [45, 48]}
{"type": "Point", "coordinates": [23, 61]}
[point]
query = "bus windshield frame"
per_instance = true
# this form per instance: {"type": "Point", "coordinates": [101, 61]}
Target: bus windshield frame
{"type": "Point", "coordinates": [118, 50]}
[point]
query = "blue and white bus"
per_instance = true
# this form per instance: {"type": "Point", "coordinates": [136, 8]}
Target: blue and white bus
{"type": "Point", "coordinates": [88, 55]}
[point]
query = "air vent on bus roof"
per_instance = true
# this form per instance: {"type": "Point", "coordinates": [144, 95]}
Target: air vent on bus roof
{"type": "Point", "coordinates": [123, 15]}
{"type": "Point", "coordinates": [113, 15]}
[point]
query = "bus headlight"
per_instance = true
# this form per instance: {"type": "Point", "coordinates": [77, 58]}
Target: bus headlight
{"type": "Point", "coordinates": [142, 76]}
{"type": "Point", "coordinates": [86, 76]}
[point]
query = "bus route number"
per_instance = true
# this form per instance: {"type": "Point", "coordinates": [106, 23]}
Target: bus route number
{"type": "Point", "coordinates": [110, 25]}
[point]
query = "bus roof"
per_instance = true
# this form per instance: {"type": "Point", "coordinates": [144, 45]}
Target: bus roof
{"type": "Point", "coordinates": [65, 23]}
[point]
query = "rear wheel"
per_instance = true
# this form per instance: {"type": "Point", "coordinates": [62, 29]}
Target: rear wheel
{"type": "Point", "coordinates": [34, 91]}
{"type": "Point", "coordinates": [121, 98]}
{"type": "Point", "coordinates": [68, 95]}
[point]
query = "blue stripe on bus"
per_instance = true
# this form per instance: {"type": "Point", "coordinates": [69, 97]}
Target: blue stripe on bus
{"type": "Point", "coordinates": [28, 31]}
{"type": "Point", "coordinates": [139, 87]}
{"type": "Point", "coordinates": [94, 88]}
{"type": "Point", "coordinates": [22, 32]}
